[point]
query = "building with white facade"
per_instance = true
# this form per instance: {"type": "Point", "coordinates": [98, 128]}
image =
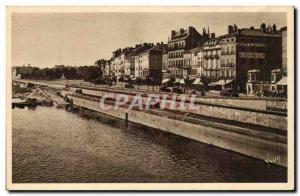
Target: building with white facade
{"type": "Point", "coordinates": [211, 59]}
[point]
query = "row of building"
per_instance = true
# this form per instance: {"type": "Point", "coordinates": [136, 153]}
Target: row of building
{"type": "Point", "coordinates": [221, 59]}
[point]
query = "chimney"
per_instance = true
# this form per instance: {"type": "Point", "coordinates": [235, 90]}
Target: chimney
{"type": "Point", "coordinates": [235, 28]}
{"type": "Point", "coordinates": [213, 36]}
{"type": "Point", "coordinates": [274, 28]}
{"type": "Point", "coordinates": [269, 29]}
{"type": "Point", "coordinates": [230, 29]}
{"type": "Point", "coordinates": [252, 28]}
{"type": "Point", "coordinates": [181, 30]}
{"type": "Point", "coordinates": [263, 27]}
{"type": "Point", "coordinates": [173, 33]}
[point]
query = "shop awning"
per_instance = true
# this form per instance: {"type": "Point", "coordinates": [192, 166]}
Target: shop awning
{"type": "Point", "coordinates": [198, 81]}
{"type": "Point", "coordinates": [182, 81]}
{"type": "Point", "coordinates": [165, 80]}
{"type": "Point", "coordinates": [177, 80]}
{"type": "Point", "coordinates": [211, 84]}
{"type": "Point", "coordinates": [223, 82]}
{"type": "Point", "coordinates": [282, 82]}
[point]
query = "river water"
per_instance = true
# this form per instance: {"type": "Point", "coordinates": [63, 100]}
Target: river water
{"type": "Point", "coordinates": [53, 145]}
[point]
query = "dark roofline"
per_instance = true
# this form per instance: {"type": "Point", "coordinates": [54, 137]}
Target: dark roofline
{"type": "Point", "coordinates": [283, 28]}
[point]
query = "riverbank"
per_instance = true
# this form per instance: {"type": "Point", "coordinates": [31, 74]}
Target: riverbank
{"type": "Point", "coordinates": [264, 145]}
{"type": "Point", "coordinates": [33, 96]}
{"type": "Point", "coordinates": [256, 133]}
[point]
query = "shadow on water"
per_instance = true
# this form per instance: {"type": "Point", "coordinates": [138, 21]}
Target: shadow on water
{"type": "Point", "coordinates": [188, 148]}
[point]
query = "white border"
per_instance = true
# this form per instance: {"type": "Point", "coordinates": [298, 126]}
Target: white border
{"type": "Point", "coordinates": [113, 3]}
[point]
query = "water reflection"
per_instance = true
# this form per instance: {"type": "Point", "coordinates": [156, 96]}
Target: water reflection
{"type": "Point", "coordinates": [52, 145]}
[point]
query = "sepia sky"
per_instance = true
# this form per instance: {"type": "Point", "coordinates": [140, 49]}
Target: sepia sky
{"type": "Point", "coordinates": [48, 39]}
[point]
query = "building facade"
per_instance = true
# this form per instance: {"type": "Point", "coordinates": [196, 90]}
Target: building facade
{"type": "Point", "coordinates": [180, 42]}
{"type": "Point", "coordinates": [199, 70]}
{"type": "Point", "coordinates": [193, 62]}
{"type": "Point", "coordinates": [127, 65]}
{"type": "Point", "coordinates": [224, 59]}
{"type": "Point", "coordinates": [148, 64]}
{"type": "Point", "coordinates": [118, 63]}
{"type": "Point", "coordinates": [247, 49]}
{"type": "Point", "coordinates": [284, 50]}
{"type": "Point", "coordinates": [211, 59]}
{"type": "Point", "coordinates": [107, 68]}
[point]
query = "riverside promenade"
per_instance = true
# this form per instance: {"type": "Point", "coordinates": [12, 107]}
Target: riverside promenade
{"type": "Point", "coordinates": [222, 122]}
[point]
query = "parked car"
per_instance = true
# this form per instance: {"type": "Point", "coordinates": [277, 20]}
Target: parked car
{"type": "Point", "coordinates": [130, 86]}
{"type": "Point", "coordinates": [229, 93]}
{"type": "Point", "coordinates": [165, 89]}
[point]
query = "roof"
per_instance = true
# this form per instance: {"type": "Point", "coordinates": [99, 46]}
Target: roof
{"type": "Point", "coordinates": [276, 70]}
{"type": "Point", "coordinates": [179, 33]}
{"type": "Point", "coordinates": [252, 32]}
{"type": "Point", "coordinates": [283, 29]}
{"type": "Point", "coordinates": [256, 32]}
{"type": "Point", "coordinates": [253, 71]}
{"type": "Point", "coordinates": [282, 82]}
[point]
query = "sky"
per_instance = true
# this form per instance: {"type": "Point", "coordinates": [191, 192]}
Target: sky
{"type": "Point", "coordinates": [49, 39]}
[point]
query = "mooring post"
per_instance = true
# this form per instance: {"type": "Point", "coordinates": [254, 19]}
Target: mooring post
{"type": "Point", "coordinates": [126, 119]}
